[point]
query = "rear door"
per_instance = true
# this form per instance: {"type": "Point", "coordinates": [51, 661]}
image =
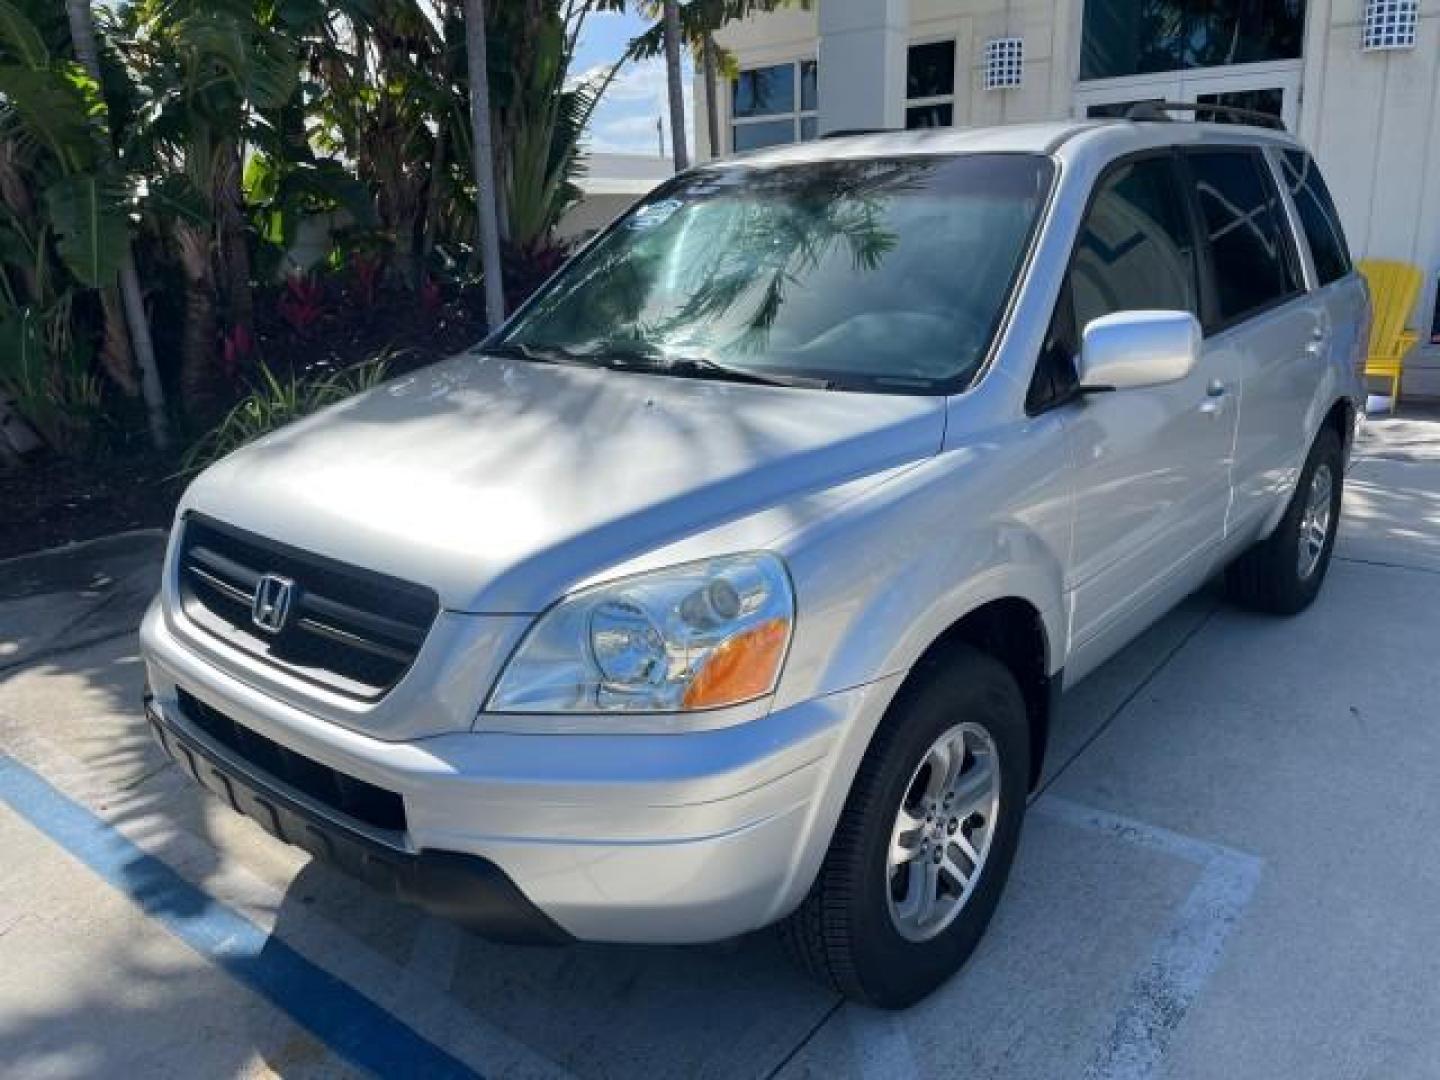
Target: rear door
{"type": "Point", "coordinates": [1259, 320]}
{"type": "Point", "coordinates": [1340, 294]}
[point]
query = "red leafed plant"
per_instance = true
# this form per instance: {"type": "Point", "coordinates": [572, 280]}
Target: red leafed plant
{"type": "Point", "coordinates": [237, 350]}
{"type": "Point", "coordinates": [527, 269]}
{"type": "Point", "coordinates": [367, 268]}
{"type": "Point", "coordinates": [431, 295]}
{"type": "Point", "coordinates": [303, 303]}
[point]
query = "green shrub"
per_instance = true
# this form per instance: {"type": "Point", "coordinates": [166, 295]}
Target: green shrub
{"type": "Point", "coordinates": [274, 401]}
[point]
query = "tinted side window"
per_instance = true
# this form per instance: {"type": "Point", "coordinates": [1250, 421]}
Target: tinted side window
{"type": "Point", "coordinates": [1135, 250]}
{"type": "Point", "coordinates": [1317, 216]}
{"type": "Point", "coordinates": [1239, 206]}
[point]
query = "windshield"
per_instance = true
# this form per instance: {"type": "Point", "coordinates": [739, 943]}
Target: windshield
{"type": "Point", "coordinates": [884, 274]}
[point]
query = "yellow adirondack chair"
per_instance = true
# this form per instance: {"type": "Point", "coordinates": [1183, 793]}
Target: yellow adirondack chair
{"type": "Point", "coordinates": [1393, 289]}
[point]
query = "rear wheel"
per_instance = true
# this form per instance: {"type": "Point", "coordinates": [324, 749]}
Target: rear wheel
{"type": "Point", "coordinates": [1282, 574]}
{"type": "Point", "coordinates": [926, 839]}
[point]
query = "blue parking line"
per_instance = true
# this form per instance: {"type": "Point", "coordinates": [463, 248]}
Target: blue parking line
{"type": "Point", "coordinates": [348, 1022]}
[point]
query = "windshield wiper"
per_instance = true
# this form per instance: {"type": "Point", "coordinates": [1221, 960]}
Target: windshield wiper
{"type": "Point", "coordinates": [652, 361]}
{"type": "Point", "coordinates": [538, 354]}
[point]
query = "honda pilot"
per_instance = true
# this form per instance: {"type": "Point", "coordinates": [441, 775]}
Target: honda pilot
{"type": "Point", "coordinates": [733, 580]}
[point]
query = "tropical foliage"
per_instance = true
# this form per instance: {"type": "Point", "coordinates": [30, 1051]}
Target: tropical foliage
{"type": "Point", "coordinates": [220, 139]}
{"type": "Point", "coordinates": [273, 400]}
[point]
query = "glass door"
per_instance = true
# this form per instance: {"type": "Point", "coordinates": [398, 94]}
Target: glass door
{"type": "Point", "coordinates": [1272, 88]}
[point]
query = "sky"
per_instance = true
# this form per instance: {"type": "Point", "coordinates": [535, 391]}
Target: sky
{"type": "Point", "coordinates": [624, 122]}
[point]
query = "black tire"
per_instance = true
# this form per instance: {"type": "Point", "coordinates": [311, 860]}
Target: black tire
{"type": "Point", "coordinates": [1267, 577]}
{"type": "Point", "coordinates": [843, 933]}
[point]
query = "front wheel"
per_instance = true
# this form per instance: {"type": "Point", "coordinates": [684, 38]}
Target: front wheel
{"type": "Point", "coordinates": [1282, 574]}
{"type": "Point", "coordinates": [925, 842]}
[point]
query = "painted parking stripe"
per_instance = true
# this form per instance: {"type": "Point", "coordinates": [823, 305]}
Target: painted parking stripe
{"type": "Point", "coordinates": [348, 1022]}
{"type": "Point", "coordinates": [1187, 952]}
{"type": "Point", "coordinates": [1184, 957]}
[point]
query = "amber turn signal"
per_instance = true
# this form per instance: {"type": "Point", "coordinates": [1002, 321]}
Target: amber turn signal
{"type": "Point", "coordinates": [741, 669]}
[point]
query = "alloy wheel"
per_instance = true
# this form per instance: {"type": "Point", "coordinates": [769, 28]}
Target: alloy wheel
{"type": "Point", "coordinates": [942, 832]}
{"type": "Point", "coordinates": [1315, 521]}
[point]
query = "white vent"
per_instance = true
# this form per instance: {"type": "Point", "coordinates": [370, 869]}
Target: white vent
{"type": "Point", "coordinates": [1004, 63]}
{"type": "Point", "coordinates": [1389, 24]}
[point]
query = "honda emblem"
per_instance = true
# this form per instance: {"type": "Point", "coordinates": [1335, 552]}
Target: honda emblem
{"type": "Point", "coordinates": [271, 606]}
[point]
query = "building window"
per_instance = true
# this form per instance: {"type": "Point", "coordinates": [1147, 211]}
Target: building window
{"type": "Point", "coordinates": [930, 85]}
{"type": "Point", "coordinates": [773, 105]}
{"type": "Point", "coordinates": [1139, 37]}
{"type": "Point", "coordinates": [1390, 24]}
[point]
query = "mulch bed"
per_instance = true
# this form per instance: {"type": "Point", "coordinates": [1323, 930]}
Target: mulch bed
{"type": "Point", "coordinates": [52, 500]}
{"type": "Point", "coordinates": [55, 501]}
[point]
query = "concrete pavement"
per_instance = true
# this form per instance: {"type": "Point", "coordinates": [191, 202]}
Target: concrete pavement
{"type": "Point", "coordinates": [1231, 871]}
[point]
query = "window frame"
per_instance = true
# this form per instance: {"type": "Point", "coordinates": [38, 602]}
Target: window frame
{"type": "Point", "coordinates": [1036, 404]}
{"type": "Point", "coordinates": [796, 115]}
{"type": "Point", "coordinates": [933, 99]}
{"type": "Point", "coordinates": [1212, 321]}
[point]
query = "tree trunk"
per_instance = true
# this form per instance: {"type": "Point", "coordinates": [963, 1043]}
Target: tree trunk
{"type": "Point", "coordinates": [712, 91]}
{"type": "Point", "coordinates": [431, 223]}
{"type": "Point", "coordinates": [82, 34]}
{"type": "Point", "coordinates": [115, 351]}
{"type": "Point", "coordinates": [672, 77]}
{"type": "Point", "coordinates": [234, 244]}
{"type": "Point", "coordinates": [484, 152]}
{"type": "Point", "coordinates": [197, 347]}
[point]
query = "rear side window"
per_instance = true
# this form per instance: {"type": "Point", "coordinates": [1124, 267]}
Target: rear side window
{"type": "Point", "coordinates": [1317, 216]}
{"type": "Point", "coordinates": [1239, 208]}
{"type": "Point", "coordinates": [1135, 251]}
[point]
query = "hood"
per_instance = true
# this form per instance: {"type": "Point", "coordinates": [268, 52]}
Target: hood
{"type": "Point", "coordinates": [502, 484]}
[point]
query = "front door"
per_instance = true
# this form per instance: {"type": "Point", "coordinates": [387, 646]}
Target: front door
{"type": "Point", "coordinates": [1151, 466]}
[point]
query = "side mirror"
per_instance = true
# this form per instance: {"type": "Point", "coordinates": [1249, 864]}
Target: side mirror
{"type": "Point", "coordinates": [1132, 349]}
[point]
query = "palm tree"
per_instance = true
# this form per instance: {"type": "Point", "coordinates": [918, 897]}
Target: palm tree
{"type": "Point", "coordinates": [484, 154]}
{"type": "Point", "coordinates": [82, 35]}
{"type": "Point", "coordinates": [672, 78]}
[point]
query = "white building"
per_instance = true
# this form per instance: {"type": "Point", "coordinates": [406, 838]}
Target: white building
{"type": "Point", "coordinates": [1359, 80]}
{"type": "Point", "coordinates": [609, 184]}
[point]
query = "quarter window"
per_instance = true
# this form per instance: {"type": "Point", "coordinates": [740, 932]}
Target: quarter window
{"type": "Point", "coordinates": [1239, 207]}
{"type": "Point", "coordinates": [930, 85]}
{"type": "Point", "coordinates": [1317, 216]}
{"type": "Point", "coordinates": [773, 105]}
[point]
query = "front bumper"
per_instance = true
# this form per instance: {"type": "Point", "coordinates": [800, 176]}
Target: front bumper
{"type": "Point", "coordinates": [635, 838]}
{"type": "Point", "coordinates": [465, 888]}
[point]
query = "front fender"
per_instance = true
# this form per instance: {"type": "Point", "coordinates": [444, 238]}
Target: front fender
{"type": "Point", "coordinates": [881, 579]}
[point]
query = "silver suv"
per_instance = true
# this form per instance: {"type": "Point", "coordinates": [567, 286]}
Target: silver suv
{"type": "Point", "coordinates": [734, 580]}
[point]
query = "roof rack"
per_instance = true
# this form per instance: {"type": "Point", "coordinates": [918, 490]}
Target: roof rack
{"type": "Point", "coordinates": [1161, 110]}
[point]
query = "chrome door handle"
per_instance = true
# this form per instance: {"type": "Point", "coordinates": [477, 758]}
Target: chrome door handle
{"type": "Point", "coordinates": [1214, 402]}
{"type": "Point", "coordinates": [1319, 338]}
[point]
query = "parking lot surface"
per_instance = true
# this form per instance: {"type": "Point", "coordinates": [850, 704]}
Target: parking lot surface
{"type": "Point", "coordinates": [1231, 870]}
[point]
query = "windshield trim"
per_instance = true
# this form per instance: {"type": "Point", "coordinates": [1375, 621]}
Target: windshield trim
{"type": "Point", "coordinates": [956, 384]}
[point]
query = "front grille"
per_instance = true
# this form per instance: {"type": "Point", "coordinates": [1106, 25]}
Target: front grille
{"type": "Point", "coordinates": [349, 630]}
{"type": "Point", "coordinates": [352, 798]}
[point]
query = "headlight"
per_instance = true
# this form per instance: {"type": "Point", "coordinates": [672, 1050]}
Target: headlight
{"type": "Point", "coordinates": [697, 636]}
